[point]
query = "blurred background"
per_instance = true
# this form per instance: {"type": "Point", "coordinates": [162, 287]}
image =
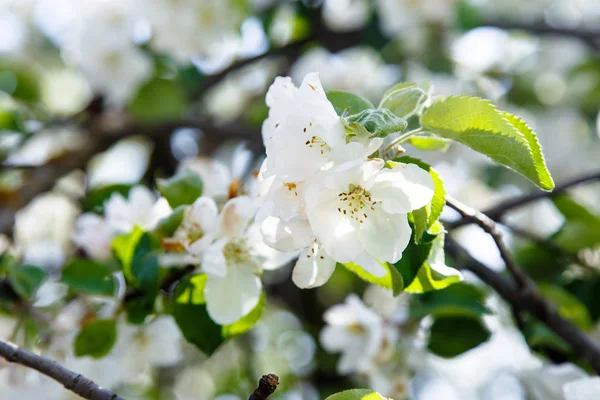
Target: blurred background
{"type": "Point", "coordinates": [98, 96]}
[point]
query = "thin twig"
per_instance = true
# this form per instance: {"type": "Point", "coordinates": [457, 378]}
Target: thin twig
{"type": "Point", "coordinates": [497, 212]}
{"type": "Point", "coordinates": [266, 387]}
{"type": "Point", "coordinates": [72, 381]}
{"type": "Point", "coordinates": [528, 300]}
{"type": "Point", "coordinates": [489, 226]}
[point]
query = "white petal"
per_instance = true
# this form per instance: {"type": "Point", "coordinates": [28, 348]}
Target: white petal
{"type": "Point", "coordinates": [314, 267]}
{"type": "Point", "coordinates": [268, 257]}
{"type": "Point", "coordinates": [351, 360]}
{"type": "Point", "coordinates": [288, 199]}
{"type": "Point", "coordinates": [370, 264]}
{"type": "Point", "coordinates": [229, 299]}
{"type": "Point", "coordinates": [385, 236]}
{"type": "Point", "coordinates": [287, 236]}
{"type": "Point", "coordinates": [355, 150]}
{"type": "Point", "coordinates": [213, 260]}
{"type": "Point", "coordinates": [583, 389]}
{"type": "Point", "coordinates": [403, 188]}
{"type": "Point", "coordinates": [335, 338]}
{"type": "Point", "coordinates": [204, 213]}
{"type": "Point", "coordinates": [236, 216]}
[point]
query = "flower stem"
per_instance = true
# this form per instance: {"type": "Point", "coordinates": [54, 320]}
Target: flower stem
{"type": "Point", "coordinates": [401, 139]}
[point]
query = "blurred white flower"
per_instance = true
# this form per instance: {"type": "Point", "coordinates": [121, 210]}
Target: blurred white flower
{"type": "Point", "coordinates": [94, 235]}
{"type": "Point", "coordinates": [141, 208]}
{"type": "Point", "coordinates": [355, 331]}
{"type": "Point", "coordinates": [346, 15]}
{"type": "Point", "coordinates": [582, 389]}
{"type": "Point", "coordinates": [404, 16]}
{"type": "Point", "coordinates": [43, 228]}
{"type": "Point", "coordinates": [46, 145]}
{"type": "Point", "coordinates": [547, 383]}
{"type": "Point", "coordinates": [124, 162]}
{"type": "Point", "coordinates": [156, 344]}
{"type": "Point", "coordinates": [358, 70]}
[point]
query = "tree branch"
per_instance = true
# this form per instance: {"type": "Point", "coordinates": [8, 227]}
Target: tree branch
{"type": "Point", "coordinates": [531, 301]}
{"type": "Point", "coordinates": [590, 37]}
{"type": "Point", "coordinates": [266, 387]}
{"type": "Point", "coordinates": [72, 381]}
{"type": "Point", "coordinates": [497, 212]}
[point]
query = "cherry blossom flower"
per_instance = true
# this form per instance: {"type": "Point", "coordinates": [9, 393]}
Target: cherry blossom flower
{"type": "Point", "coordinates": [354, 330]}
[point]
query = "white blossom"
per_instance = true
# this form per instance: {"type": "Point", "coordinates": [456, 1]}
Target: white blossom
{"type": "Point", "coordinates": [582, 389]}
{"type": "Point", "coordinates": [355, 331]}
{"type": "Point", "coordinates": [358, 210]}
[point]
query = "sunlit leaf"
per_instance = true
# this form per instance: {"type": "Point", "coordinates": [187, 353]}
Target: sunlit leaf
{"type": "Point", "coordinates": [96, 338]}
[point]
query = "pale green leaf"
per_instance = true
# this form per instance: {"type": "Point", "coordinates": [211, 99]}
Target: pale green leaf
{"type": "Point", "coordinates": [478, 124]}
{"type": "Point", "coordinates": [356, 394]}
{"type": "Point", "coordinates": [569, 306]}
{"type": "Point", "coordinates": [429, 143]}
{"type": "Point", "coordinates": [404, 99]}
{"type": "Point", "coordinates": [379, 123]}
{"type": "Point", "coordinates": [392, 280]}
{"type": "Point", "coordinates": [347, 103]}
{"type": "Point", "coordinates": [246, 323]}
{"type": "Point", "coordinates": [181, 189]}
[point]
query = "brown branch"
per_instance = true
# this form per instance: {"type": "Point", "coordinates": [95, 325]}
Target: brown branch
{"type": "Point", "coordinates": [590, 37]}
{"type": "Point", "coordinates": [266, 387]}
{"type": "Point", "coordinates": [72, 381]}
{"type": "Point", "coordinates": [529, 300]}
{"type": "Point", "coordinates": [489, 226]}
{"type": "Point", "coordinates": [497, 212]}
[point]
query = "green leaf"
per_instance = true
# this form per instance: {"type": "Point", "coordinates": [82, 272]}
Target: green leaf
{"type": "Point", "coordinates": [379, 123]}
{"type": "Point", "coordinates": [392, 280]}
{"type": "Point", "coordinates": [572, 210]}
{"type": "Point", "coordinates": [452, 336]}
{"type": "Point", "coordinates": [94, 200]}
{"type": "Point", "coordinates": [96, 338]}
{"type": "Point", "coordinates": [140, 306]}
{"type": "Point", "coordinates": [429, 278]}
{"type": "Point", "coordinates": [124, 247]}
{"type": "Point", "coordinates": [356, 394]}
{"type": "Point", "coordinates": [542, 339]}
{"type": "Point", "coordinates": [413, 257]}
{"type": "Point", "coordinates": [404, 99]}
{"type": "Point", "coordinates": [503, 137]}
{"type": "Point", "coordinates": [189, 310]}
{"type": "Point", "coordinates": [459, 299]}
{"type": "Point", "coordinates": [144, 264]}
{"type": "Point", "coordinates": [581, 229]}
{"type": "Point", "coordinates": [25, 279]}
{"type": "Point", "coordinates": [346, 102]}
{"type": "Point", "coordinates": [89, 277]}
{"type": "Point", "coordinates": [159, 100]}
{"type": "Point", "coordinates": [167, 226]}
{"type": "Point", "coordinates": [569, 306]}
{"type": "Point", "coordinates": [420, 218]}
{"type": "Point", "coordinates": [429, 143]}
{"type": "Point", "coordinates": [181, 189]}
{"type": "Point", "coordinates": [246, 322]}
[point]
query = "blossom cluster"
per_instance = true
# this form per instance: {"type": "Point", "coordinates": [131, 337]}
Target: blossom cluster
{"type": "Point", "coordinates": [325, 193]}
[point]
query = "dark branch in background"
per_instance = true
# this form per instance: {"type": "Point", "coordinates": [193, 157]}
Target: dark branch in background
{"type": "Point", "coordinates": [266, 387]}
{"type": "Point", "coordinates": [497, 212]}
{"type": "Point", "coordinates": [72, 381]}
{"type": "Point", "coordinates": [590, 37]}
{"type": "Point", "coordinates": [531, 301]}
{"type": "Point", "coordinates": [522, 294]}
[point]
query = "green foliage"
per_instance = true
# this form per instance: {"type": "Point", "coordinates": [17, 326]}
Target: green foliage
{"type": "Point", "coordinates": [428, 278]}
{"type": "Point", "coordinates": [167, 226]}
{"type": "Point", "coordinates": [135, 252]}
{"type": "Point", "coordinates": [348, 103]}
{"type": "Point", "coordinates": [429, 143]}
{"type": "Point", "coordinates": [392, 280]}
{"type": "Point", "coordinates": [356, 394]}
{"type": "Point", "coordinates": [94, 200]}
{"type": "Point", "coordinates": [568, 306]}
{"type": "Point", "coordinates": [96, 338]}
{"type": "Point", "coordinates": [460, 299]}
{"type": "Point", "coordinates": [581, 229]}
{"type": "Point", "coordinates": [503, 137]}
{"type": "Point", "coordinates": [452, 336]}
{"type": "Point", "coordinates": [404, 99]}
{"type": "Point", "coordinates": [379, 122]}
{"type": "Point", "coordinates": [20, 81]}
{"type": "Point", "coordinates": [181, 189]}
{"type": "Point", "coordinates": [89, 277]}
{"type": "Point", "coordinates": [413, 258]}
{"type": "Point", "coordinates": [25, 279]}
{"type": "Point", "coordinates": [188, 307]}
{"type": "Point", "coordinates": [159, 100]}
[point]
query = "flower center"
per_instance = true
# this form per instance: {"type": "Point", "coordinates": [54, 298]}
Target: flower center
{"type": "Point", "coordinates": [356, 203]}
{"type": "Point", "coordinates": [356, 329]}
{"type": "Point", "coordinates": [317, 143]}
{"type": "Point", "coordinates": [236, 252]}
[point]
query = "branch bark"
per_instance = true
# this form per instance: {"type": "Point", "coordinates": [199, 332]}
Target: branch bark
{"type": "Point", "coordinates": [72, 381]}
{"type": "Point", "coordinates": [266, 387]}
{"type": "Point", "coordinates": [531, 301]}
